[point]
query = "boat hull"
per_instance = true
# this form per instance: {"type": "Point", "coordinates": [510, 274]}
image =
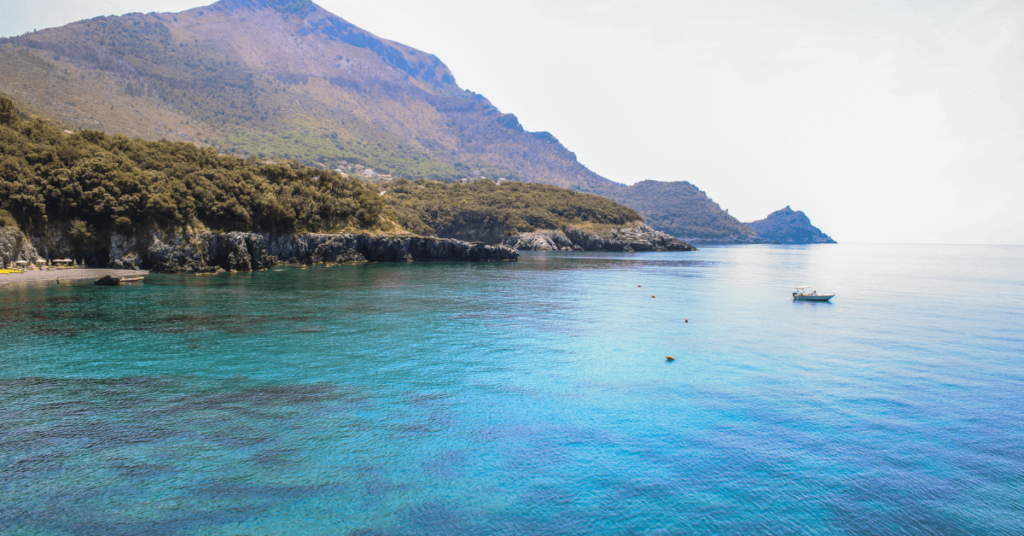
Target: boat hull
{"type": "Point", "coordinates": [814, 297]}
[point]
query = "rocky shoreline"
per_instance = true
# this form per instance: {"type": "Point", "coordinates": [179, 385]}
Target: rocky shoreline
{"type": "Point", "coordinates": [630, 238]}
{"type": "Point", "coordinates": [207, 252]}
{"type": "Point", "coordinates": [185, 251]}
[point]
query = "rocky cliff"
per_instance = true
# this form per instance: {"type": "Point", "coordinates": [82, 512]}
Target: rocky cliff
{"type": "Point", "coordinates": [198, 252]}
{"type": "Point", "coordinates": [15, 247]}
{"type": "Point", "coordinates": [207, 252]}
{"type": "Point", "coordinates": [635, 237]}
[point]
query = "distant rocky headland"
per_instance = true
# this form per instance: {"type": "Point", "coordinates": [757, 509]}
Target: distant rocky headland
{"type": "Point", "coordinates": [788, 226]}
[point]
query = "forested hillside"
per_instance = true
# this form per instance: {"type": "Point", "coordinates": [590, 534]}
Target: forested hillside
{"type": "Point", "coordinates": [89, 184]}
{"type": "Point", "coordinates": [486, 211]}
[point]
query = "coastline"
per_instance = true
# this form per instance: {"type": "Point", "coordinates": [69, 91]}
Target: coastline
{"type": "Point", "coordinates": [44, 276]}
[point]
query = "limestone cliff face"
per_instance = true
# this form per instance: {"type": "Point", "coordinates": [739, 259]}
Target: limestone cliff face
{"type": "Point", "coordinates": [14, 246]}
{"type": "Point", "coordinates": [635, 237]}
{"type": "Point", "coordinates": [209, 252]}
{"type": "Point", "coordinates": [198, 252]}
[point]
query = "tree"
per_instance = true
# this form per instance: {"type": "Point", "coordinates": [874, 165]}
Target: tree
{"type": "Point", "coordinates": [7, 114]}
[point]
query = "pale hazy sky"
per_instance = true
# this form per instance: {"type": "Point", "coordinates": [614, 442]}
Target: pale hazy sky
{"type": "Point", "coordinates": [884, 121]}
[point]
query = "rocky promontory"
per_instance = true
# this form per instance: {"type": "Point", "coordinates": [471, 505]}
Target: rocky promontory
{"type": "Point", "coordinates": [634, 237]}
{"type": "Point", "coordinates": [788, 226]}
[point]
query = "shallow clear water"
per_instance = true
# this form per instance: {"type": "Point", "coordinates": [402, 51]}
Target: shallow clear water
{"type": "Point", "coordinates": [526, 398]}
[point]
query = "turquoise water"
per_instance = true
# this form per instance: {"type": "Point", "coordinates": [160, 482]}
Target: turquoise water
{"type": "Point", "coordinates": [525, 398]}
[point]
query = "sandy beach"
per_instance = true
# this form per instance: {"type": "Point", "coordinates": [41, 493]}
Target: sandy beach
{"type": "Point", "coordinates": [66, 275]}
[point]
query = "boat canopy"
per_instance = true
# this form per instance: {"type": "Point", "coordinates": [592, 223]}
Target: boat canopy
{"type": "Point", "coordinates": [805, 287]}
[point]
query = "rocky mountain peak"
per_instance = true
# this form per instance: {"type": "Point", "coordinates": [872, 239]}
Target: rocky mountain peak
{"type": "Point", "coordinates": [299, 8]}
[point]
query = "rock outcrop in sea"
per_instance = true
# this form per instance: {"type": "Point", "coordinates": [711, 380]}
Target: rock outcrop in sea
{"type": "Point", "coordinates": [635, 237]}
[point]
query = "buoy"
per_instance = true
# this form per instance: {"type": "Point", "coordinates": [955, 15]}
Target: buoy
{"type": "Point", "coordinates": [652, 295]}
{"type": "Point", "coordinates": [669, 358]}
{"type": "Point", "coordinates": [686, 320]}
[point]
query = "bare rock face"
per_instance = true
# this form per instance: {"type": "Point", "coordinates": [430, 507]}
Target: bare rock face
{"type": "Point", "coordinates": [547, 240]}
{"type": "Point", "coordinates": [123, 255]}
{"type": "Point", "coordinates": [209, 252]}
{"type": "Point", "coordinates": [205, 252]}
{"type": "Point", "coordinates": [14, 246]}
{"type": "Point", "coordinates": [634, 237]}
{"type": "Point", "coordinates": [336, 250]}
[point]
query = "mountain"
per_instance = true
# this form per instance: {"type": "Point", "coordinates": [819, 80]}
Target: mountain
{"type": "Point", "coordinates": [278, 78]}
{"type": "Point", "coordinates": [684, 211]}
{"type": "Point", "coordinates": [788, 226]}
{"type": "Point", "coordinates": [287, 79]}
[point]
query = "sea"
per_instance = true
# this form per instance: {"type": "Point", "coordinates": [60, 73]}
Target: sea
{"type": "Point", "coordinates": [525, 398]}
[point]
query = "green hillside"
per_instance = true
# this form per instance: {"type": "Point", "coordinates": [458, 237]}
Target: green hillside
{"type": "Point", "coordinates": [487, 211]}
{"type": "Point", "coordinates": [88, 185]}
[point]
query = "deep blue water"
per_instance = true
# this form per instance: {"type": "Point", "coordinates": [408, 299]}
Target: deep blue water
{"type": "Point", "coordinates": [526, 398]}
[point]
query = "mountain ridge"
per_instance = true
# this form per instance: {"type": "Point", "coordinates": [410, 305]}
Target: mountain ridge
{"type": "Point", "coordinates": [247, 78]}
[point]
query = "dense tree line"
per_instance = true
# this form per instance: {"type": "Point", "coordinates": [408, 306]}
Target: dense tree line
{"type": "Point", "coordinates": [90, 184]}
{"type": "Point", "coordinates": [486, 209]}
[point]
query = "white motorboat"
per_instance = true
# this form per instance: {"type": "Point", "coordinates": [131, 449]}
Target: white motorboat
{"type": "Point", "coordinates": [807, 293]}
